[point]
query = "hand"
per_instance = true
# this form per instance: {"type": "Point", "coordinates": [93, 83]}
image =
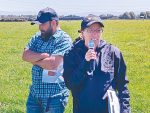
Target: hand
{"type": "Point", "coordinates": [91, 54]}
{"type": "Point", "coordinates": [45, 55]}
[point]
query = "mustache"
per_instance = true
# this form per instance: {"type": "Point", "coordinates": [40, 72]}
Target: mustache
{"type": "Point", "coordinates": [43, 31]}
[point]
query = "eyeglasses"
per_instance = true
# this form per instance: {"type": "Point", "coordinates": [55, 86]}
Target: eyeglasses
{"type": "Point", "coordinates": [92, 30]}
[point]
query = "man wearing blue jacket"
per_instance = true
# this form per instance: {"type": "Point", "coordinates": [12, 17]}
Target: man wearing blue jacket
{"type": "Point", "coordinates": [90, 88]}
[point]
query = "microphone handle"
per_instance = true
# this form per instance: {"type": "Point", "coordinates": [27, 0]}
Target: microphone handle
{"type": "Point", "coordinates": [92, 64]}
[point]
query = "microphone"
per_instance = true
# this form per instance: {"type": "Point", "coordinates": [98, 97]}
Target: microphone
{"type": "Point", "coordinates": [91, 45]}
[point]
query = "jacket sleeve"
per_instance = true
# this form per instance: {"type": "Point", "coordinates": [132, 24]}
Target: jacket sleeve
{"type": "Point", "coordinates": [74, 73]}
{"type": "Point", "coordinates": [122, 82]}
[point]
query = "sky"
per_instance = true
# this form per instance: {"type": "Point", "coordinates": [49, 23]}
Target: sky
{"type": "Point", "coordinates": [79, 7]}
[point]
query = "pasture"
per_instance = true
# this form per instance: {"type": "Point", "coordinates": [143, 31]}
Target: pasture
{"type": "Point", "coordinates": [130, 36]}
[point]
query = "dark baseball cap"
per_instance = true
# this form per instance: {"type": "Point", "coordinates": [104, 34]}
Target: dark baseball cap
{"type": "Point", "coordinates": [44, 15]}
{"type": "Point", "coordinates": [89, 20]}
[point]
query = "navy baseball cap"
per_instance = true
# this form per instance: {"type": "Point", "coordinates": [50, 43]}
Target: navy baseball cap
{"type": "Point", "coordinates": [44, 15]}
{"type": "Point", "coordinates": [89, 20]}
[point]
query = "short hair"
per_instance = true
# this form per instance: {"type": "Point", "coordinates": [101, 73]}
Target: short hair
{"type": "Point", "coordinates": [57, 22]}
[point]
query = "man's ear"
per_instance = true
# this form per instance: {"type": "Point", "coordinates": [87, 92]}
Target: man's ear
{"type": "Point", "coordinates": [53, 23]}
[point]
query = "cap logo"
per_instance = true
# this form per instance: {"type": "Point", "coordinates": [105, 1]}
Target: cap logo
{"type": "Point", "coordinates": [92, 18]}
{"type": "Point", "coordinates": [89, 18]}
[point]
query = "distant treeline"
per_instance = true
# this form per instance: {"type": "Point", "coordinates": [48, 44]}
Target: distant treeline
{"type": "Point", "coordinates": [126, 15]}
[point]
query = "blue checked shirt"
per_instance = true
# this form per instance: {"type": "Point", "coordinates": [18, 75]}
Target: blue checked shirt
{"type": "Point", "coordinates": [58, 44]}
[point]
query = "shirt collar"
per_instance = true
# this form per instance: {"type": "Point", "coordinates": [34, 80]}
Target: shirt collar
{"type": "Point", "coordinates": [57, 34]}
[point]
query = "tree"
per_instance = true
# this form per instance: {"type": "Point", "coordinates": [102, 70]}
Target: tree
{"type": "Point", "coordinates": [126, 15]}
{"type": "Point", "coordinates": [148, 14]}
{"type": "Point", "coordinates": [103, 16]}
{"type": "Point", "coordinates": [132, 15]}
{"type": "Point", "coordinates": [30, 19]}
{"type": "Point", "coordinates": [109, 16]}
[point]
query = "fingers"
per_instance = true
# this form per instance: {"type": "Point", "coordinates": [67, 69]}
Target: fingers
{"type": "Point", "coordinates": [45, 55]}
{"type": "Point", "coordinates": [91, 54]}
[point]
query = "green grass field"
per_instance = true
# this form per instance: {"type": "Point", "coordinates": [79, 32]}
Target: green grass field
{"type": "Point", "coordinates": [130, 36]}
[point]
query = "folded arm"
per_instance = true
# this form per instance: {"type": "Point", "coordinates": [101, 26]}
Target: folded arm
{"type": "Point", "coordinates": [31, 56]}
{"type": "Point", "coordinates": [43, 60]}
{"type": "Point", "coordinates": [50, 63]}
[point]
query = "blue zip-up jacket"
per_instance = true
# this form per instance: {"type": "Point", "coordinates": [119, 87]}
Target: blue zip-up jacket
{"type": "Point", "coordinates": [89, 89]}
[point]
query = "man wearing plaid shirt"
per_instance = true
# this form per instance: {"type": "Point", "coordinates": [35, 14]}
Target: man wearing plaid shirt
{"type": "Point", "coordinates": [45, 51]}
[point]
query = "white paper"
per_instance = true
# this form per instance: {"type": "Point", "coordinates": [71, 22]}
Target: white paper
{"type": "Point", "coordinates": [114, 106]}
{"type": "Point", "coordinates": [53, 79]}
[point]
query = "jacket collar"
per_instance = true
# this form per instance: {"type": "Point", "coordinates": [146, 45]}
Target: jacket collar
{"type": "Point", "coordinates": [79, 44]}
{"type": "Point", "coordinates": [101, 44]}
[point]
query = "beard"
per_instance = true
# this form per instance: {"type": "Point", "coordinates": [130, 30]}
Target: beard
{"type": "Point", "coordinates": [47, 34]}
